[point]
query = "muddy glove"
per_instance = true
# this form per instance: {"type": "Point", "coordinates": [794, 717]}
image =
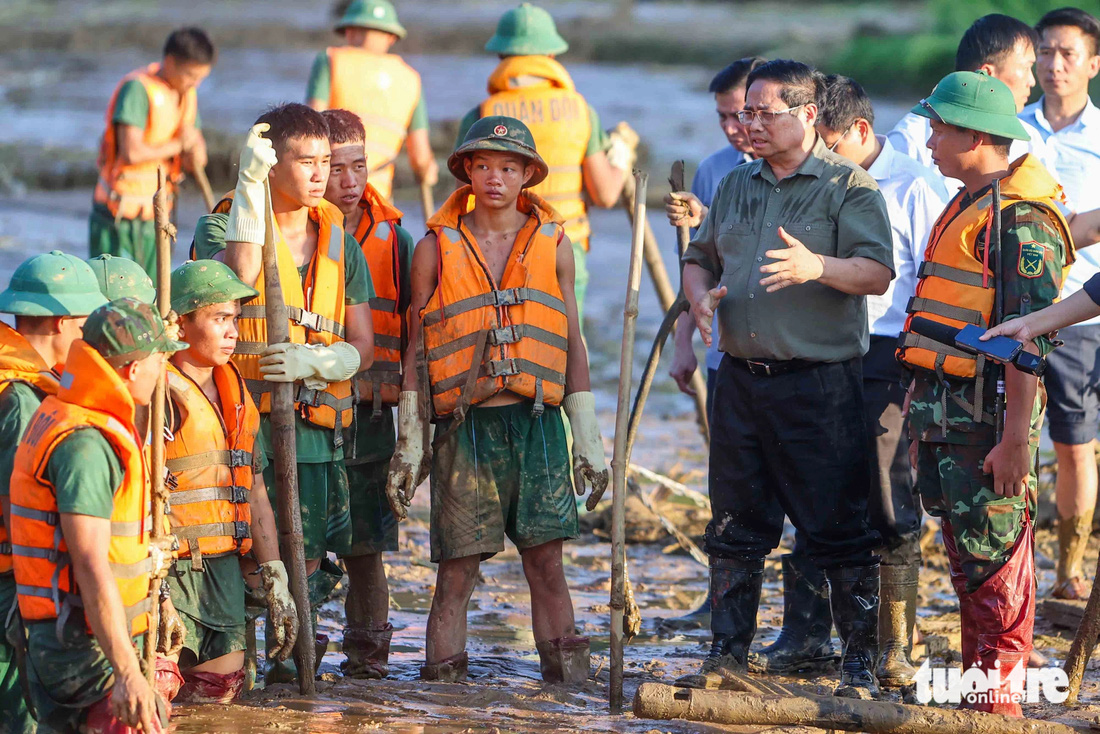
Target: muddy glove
{"type": "Point", "coordinates": [315, 364]}
{"type": "Point", "coordinates": [623, 150]}
{"type": "Point", "coordinates": [171, 634]}
{"type": "Point", "coordinates": [589, 462]}
{"type": "Point", "coordinates": [407, 467]}
{"type": "Point", "coordinates": [281, 607]}
{"type": "Point", "coordinates": [246, 216]}
{"type": "Point", "coordinates": [162, 554]}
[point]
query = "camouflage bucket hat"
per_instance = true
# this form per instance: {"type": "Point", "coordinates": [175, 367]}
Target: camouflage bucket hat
{"type": "Point", "coordinates": [975, 101]}
{"type": "Point", "coordinates": [379, 15]}
{"type": "Point", "coordinates": [52, 284]}
{"type": "Point", "coordinates": [526, 31]}
{"type": "Point", "coordinates": [127, 330]}
{"type": "Point", "coordinates": [121, 277]}
{"type": "Point", "coordinates": [502, 135]}
{"type": "Point", "coordinates": [205, 282]}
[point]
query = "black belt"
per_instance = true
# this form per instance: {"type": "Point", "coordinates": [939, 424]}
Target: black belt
{"type": "Point", "coordinates": [771, 368]}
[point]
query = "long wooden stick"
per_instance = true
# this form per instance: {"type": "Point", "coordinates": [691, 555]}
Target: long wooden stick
{"type": "Point", "coordinates": [695, 497]}
{"type": "Point", "coordinates": [427, 201]}
{"type": "Point", "coordinates": [681, 538]}
{"type": "Point", "coordinates": [165, 233]}
{"type": "Point", "coordinates": [657, 701]}
{"type": "Point", "coordinates": [284, 446]}
{"type": "Point", "coordinates": [1084, 642]}
{"type": "Point", "coordinates": [622, 459]}
{"type": "Point", "coordinates": [204, 187]}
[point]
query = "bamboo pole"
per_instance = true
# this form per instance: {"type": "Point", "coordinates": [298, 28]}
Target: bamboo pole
{"type": "Point", "coordinates": [622, 449]}
{"type": "Point", "coordinates": [165, 233]}
{"type": "Point", "coordinates": [284, 447]}
{"type": "Point", "coordinates": [204, 188]}
{"type": "Point", "coordinates": [658, 701]}
{"type": "Point", "coordinates": [427, 201]}
{"type": "Point", "coordinates": [1084, 642]}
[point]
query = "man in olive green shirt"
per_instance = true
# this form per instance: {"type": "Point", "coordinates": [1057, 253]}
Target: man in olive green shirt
{"type": "Point", "coordinates": [792, 244]}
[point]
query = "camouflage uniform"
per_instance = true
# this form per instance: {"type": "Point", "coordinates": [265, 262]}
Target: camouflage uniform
{"type": "Point", "coordinates": [953, 447]}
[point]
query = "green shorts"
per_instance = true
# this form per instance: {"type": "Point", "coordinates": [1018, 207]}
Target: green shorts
{"type": "Point", "coordinates": [211, 605]}
{"type": "Point", "coordinates": [209, 643]}
{"type": "Point", "coordinates": [132, 238]}
{"type": "Point", "coordinates": [504, 472]}
{"type": "Point", "coordinates": [323, 495]}
{"type": "Point", "coordinates": [373, 526]}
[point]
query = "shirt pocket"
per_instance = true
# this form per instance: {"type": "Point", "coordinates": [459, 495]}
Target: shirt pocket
{"type": "Point", "coordinates": [736, 242]}
{"type": "Point", "coordinates": [819, 236]}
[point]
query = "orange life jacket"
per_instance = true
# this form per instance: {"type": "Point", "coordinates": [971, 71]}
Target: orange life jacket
{"type": "Point", "coordinates": [384, 91]}
{"type": "Point", "coordinates": [210, 459]}
{"type": "Point", "coordinates": [91, 396]}
{"type": "Point", "coordinates": [539, 91]}
{"type": "Point", "coordinates": [508, 336]}
{"type": "Point", "coordinates": [127, 189]}
{"type": "Point", "coordinates": [377, 235]}
{"type": "Point", "coordinates": [956, 285]}
{"type": "Point", "coordinates": [321, 322]}
{"type": "Point", "coordinates": [19, 362]}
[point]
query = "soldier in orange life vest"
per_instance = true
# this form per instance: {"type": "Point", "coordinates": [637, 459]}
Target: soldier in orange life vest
{"type": "Point", "coordinates": [152, 122]}
{"type": "Point", "coordinates": [495, 319]}
{"type": "Point", "coordinates": [327, 287]}
{"type": "Point", "coordinates": [80, 523]}
{"type": "Point", "coordinates": [530, 85]}
{"type": "Point", "coordinates": [50, 296]}
{"type": "Point", "coordinates": [388, 248]}
{"type": "Point", "coordinates": [378, 86]}
{"type": "Point", "coordinates": [220, 508]}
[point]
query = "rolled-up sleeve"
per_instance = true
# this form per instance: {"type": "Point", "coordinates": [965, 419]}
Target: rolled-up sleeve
{"type": "Point", "coordinates": [863, 226]}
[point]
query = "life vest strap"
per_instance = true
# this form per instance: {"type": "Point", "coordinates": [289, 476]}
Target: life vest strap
{"type": "Point", "coordinates": [909, 339]}
{"type": "Point", "coordinates": [236, 530]}
{"type": "Point", "coordinates": [52, 555]}
{"type": "Point", "coordinates": [499, 336]}
{"type": "Point", "coordinates": [385, 341]}
{"type": "Point", "coordinates": [917, 304]}
{"type": "Point", "coordinates": [52, 519]}
{"type": "Point", "coordinates": [232, 458]}
{"type": "Point", "coordinates": [130, 528]}
{"type": "Point", "coordinates": [502, 368]}
{"type": "Point", "coordinates": [236, 494]}
{"type": "Point", "coordinates": [316, 398]}
{"type": "Point", "coordinates": [134, 570]}
{"type": "Point", "coordinates": [389, 372]}
{"type": "Point", "coordinates": [496, 299]}
{"type": "Point", "coordinates": [385, 305]}
{"type": "Point", "coordinates": [955, 275]}
{"type": "Point", "coordinates": [300, 316]}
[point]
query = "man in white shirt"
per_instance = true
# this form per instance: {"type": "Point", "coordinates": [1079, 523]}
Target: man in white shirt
{"type": "Point", "coordinates": [1069, 123]}
{"type": "Point", "coordinates": [1004, 48]}
{"type": "Point", "coordinates": [914, 196]}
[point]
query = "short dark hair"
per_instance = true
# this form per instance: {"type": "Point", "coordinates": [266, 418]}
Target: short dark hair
{"type": "Point", "coordinates": [802, 84]}
{"type": "Point", "coordinates": [1002, 144]}
{"type": "Point", "coordinates": [344, 126]}
{"type": "Point", "coordinates": [1075, 17]}
{"type": "Point", "coordinates": [734, 75]}
{"type": "Point", "coordinates": [845, 102]}
{"type": "Point", "coordinates": [292, 120]}
{"type": "Point", "coordinates": [191, 45]}
{"type": "Point", "coordinates": [990, 39]}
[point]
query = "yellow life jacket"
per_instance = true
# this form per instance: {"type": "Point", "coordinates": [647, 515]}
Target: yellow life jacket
{"type": "Point", "coordinates": [538, 91]}
{"type": "Point", "coordinates": [19, 362]}
{"type": "Point", "coordinates": [91, 396]}
{"type": "Point", "coordinates": [384, 91]}
{"type": "Point", "coordinates": [127, 189]}
{"type": "Point", "coordinates": [209, 456]}
{"type": "Point", "coordinates": [483, 337]}
{"type": "Point", "coordinates": [956, 284]}
{"type": "Point", "coordinates": [316, 317]}
{"type": "Point", "coordinates": [377, 234]}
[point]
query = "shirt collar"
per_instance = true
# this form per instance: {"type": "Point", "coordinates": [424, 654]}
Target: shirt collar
{"type": "Point", "coordinates": [1089, 116]}
{"type": "Point", "coordinates": [814, 165]}
{"type": "Point", "coordinates": [880, 169]}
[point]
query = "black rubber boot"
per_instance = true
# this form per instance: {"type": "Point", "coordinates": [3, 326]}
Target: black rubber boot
{"type": "Point", "coordinates": [854, 597]}
{"type": "Point", "coordinates": [805, 643]}
{"type": "Point", "coordinates": [735, 597]}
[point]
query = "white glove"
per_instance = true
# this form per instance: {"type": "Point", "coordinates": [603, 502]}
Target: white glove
{"type": "Point", "coordinates": [623, 150]}
{"type": "Point", "coordinates": [246, 216]}
{"type": "Point", "coordinates": [281, 607]}
{"type": "Point", "coordinates": [407, 467]}
{"type": "Point", "coordinates": [309, 362]}
{"type": "Point", "coordinates": [589, 462]}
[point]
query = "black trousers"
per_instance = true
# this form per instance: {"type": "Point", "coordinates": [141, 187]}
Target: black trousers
{"type": "Point", "coordinates": [795, 445]}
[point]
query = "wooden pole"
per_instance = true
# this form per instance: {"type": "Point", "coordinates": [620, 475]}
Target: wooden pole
{"type": "Point", "coordinates": [165, 233]}
{"type": "Point", "coordinates": [204, 188]}
{"type": "Point", "coordinates": [427, 201]}
{"type": "Point", "coordinates": [658, 701]}
{"type": "Point", "coordinates": [1084, 642]}
{"type": "Point", "coordinates": [284, 447]}
{"type": "Point", "coordinates": [621, 459]}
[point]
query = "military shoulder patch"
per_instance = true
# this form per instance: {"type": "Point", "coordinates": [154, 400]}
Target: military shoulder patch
{"type": "Point", "coordinates": [1032, 256]}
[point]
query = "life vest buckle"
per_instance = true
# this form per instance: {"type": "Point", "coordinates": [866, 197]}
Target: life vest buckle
{"type": "Point", "coordinates": [502, 367]}
{"type": "Point", "coordinates": [507, 297]}
{"type": "Point", "coordinates": [239, 458]}
{"type": "Point", "coordinates": [5, 548]}
{"type": "Point", "coordinates": [309, 396]}
{"type": "Point", "coordinates": [309, 319]}
{"type": "Point", "coordinates": [240, 495]}
{"type": "Point", "coordinates": [240, 530]}
{"type": "Point", "coordinates": [503, 335]}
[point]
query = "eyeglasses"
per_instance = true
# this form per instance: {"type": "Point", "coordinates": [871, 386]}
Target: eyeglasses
{"type": "Point", "coordinates": [767, 117]}
{"type": "Point", "coordinates": [832, 148]}
{"type": "Point", "coordinates": [935, 115]}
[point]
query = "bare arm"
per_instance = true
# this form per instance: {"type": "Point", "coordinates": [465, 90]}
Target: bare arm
{"type": "Point", "coordinates": [132, 148]}
{"type": "Point", "coordinates": [245, 259]}
{"type": "Point", "coordinates": [1085, 228]}
{"type": "Point", "coordinates": [359, 332]}
{"type": "Point", "coordinates": [265, 538]}
{"type": "Point", "coordinates": [421, 158]}
{"type": "Point", "coordinates": [1073, 310]}
{"type": "Point", "coordinates": [857, 276]}
{"type": "Point", "coordinates": [602, 181]}
{"type": "Point", "coordinates": [424, 280]}
{"type": "Point", "coordinates": [577, 378]}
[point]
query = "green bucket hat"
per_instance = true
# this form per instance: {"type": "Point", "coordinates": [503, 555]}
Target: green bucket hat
{"type": "Point", "coordinates": [526, 31]}
{"type": "Point", "coordinates": [127, 330]}
{"type": "Point", "coordinates": [52, 284]}
{"type": "Point", "coordinates": [379, 15]}
{"type": "Point", "coordinates": [121, 277]}
{"type": "Point", "coordinates": [501, 134]}
{"type": "Point", "coordinates": [205, 282]}
{"type": "Point", "coordinates": [975, 101]}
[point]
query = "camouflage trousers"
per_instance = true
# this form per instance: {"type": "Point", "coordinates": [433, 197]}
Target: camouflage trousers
{"type": "Point", "coordinates": [986, 526]}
